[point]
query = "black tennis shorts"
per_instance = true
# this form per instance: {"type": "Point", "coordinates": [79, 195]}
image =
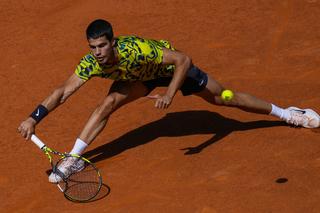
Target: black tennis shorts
{"type": "Point", "coordinates": [195, 82]}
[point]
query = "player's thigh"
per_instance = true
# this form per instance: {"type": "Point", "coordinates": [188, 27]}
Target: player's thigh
{"type": "Point", "coordinates": [212, 89]}
{"type": "Point", "coordinates": [123, 92]}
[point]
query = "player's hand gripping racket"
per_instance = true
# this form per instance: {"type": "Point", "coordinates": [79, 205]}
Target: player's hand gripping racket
{"type": "Point", "coordinates": [76, 176]}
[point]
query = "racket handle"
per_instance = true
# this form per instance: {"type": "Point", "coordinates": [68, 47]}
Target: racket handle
{"type": "Point", "coordinates": [37, 141]}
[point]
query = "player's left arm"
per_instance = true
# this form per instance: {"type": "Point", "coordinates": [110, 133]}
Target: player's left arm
{"type": "Point", "coordinates": [182, 63]}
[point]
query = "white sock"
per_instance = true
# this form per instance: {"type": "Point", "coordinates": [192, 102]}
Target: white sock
{"type": "Point", "coordinates": [79, 147]}
{"type": "Point", "coordinates": [279, 112]}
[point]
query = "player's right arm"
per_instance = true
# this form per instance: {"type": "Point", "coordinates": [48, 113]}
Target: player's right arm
{"type": "Point", "coordinates": [57, 97]}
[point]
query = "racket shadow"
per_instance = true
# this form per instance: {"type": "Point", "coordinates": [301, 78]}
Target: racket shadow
{"type": "Point", "coordinates": [104, 192]}
{"type": "Point", "coordinates": [179, 124]}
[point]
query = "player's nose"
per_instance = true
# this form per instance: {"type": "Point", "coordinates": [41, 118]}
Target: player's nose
{"type": "Point", "coordinates": [97, 52]}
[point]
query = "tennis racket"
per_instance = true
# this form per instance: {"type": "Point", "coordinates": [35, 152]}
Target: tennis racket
{"type": "Point", "coordinates": [82, 182]}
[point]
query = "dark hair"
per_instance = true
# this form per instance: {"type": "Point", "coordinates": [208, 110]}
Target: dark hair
{"type": "Point", "coordinates": [99, 28]}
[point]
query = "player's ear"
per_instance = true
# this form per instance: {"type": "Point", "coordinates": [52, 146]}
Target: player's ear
{"type": "Point", "coordinates": [113, 42]}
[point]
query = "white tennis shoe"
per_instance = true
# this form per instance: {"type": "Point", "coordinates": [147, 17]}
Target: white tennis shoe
{"type": "Point", "coordinates": [303, 117]}
{"type": "Point", "coordinates": [68, 166]}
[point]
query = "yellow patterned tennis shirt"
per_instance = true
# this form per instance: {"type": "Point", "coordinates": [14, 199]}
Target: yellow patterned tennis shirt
{"type": "Point", "coordinates": [139, 59]}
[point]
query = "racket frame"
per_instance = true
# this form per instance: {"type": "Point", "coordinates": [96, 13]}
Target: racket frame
{"type": "Point", "coordinates": [47, 152]}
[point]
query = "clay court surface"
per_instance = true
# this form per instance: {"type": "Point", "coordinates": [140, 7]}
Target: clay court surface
{"type": "Point", "coordinates": [193, 157]}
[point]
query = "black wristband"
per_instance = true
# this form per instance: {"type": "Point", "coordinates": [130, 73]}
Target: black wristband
{"type": "Point", "coordinates": [39, 113]}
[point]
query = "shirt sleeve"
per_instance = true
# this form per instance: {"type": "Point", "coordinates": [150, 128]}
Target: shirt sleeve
{"type": "Point", "coordinates": [86, 67]}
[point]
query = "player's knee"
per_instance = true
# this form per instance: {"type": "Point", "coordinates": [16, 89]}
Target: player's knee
{"type": "Point", "coordinates": [219, 89]}
{"type": "Point", "coordinates": [107, 106]}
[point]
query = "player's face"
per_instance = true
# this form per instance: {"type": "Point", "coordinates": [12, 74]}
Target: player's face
{"type": "Point", "coordinates": [102, 49]}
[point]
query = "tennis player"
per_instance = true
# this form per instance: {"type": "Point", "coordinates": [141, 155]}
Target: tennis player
{"type": "Point", "coordinates": [137, 66]}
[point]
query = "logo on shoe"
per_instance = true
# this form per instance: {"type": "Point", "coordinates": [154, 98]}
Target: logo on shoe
{"type": "Point", "coordinates": [301, 111]}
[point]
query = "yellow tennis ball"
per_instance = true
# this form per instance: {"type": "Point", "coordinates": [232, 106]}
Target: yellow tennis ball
{"type": "Point", "coordinates": [227, 95]}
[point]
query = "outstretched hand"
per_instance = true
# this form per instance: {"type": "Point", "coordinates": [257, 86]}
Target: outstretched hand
{"type": "Point", "coordinates": [162, 101]}
{"type": "Point", "coordinates": [27, 128]}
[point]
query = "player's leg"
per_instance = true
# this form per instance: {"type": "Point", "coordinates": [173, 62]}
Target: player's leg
{"type": "Point", "coordinates": [244, 101]}
{"type": "Point", "coordinates": [119, 94]}
{"type": "Point", "coordinates": [200, 84]}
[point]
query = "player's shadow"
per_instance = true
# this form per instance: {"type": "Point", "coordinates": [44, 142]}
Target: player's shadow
{"type": "Point", "coordinates": [178, 124]}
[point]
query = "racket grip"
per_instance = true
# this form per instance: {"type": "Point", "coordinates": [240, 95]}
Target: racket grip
{"type": "Point", "coordinates": [37, 141]}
